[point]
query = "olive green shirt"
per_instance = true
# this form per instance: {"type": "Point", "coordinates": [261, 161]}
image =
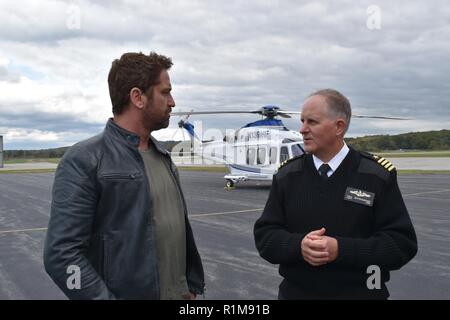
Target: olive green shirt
{"type": "Point", "coordinates": [169, 225]}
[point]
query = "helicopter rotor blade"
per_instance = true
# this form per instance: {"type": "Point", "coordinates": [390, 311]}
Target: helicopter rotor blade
{"type": "Point", "coordinates": [378, 117]}
{"type": "Point", "coordinates": [212, 112]}
{"type": "Point", "coordinates": [283, 114]}
{"type": "Point", "coordinates": [289, 112]}
{"type": "Point", "coordinates": [188, 115]}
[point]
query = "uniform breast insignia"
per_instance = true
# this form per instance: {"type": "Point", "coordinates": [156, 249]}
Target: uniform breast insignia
{"type": "Point", "coordinates": [360, 193]}
{"type": "Point", "coordinates": [359, 196]}
{"type": "Point", "coordinates": [384, 163]}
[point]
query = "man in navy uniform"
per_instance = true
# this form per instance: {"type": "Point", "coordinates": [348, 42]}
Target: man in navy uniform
{"type": "Point", "coordinates": [334, 214]}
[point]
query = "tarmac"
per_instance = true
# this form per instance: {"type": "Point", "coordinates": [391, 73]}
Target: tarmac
{"type": "Point", "coordinates": [422, 163]}
{"type": "Point", "coordinates": [222, 222]}
{"type": "Point", "coordinates": [28, 166]}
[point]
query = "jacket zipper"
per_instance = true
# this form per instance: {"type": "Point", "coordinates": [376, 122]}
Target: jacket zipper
{"type": "Point", "coordinates": [105, 261]}
{"type": "Point", "coordinates": [119, 176]}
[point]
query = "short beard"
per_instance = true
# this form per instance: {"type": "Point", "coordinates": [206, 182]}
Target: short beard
{"type": "Point", "coordinates": [147, 120]}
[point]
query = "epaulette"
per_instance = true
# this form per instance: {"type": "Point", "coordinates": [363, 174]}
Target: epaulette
{"type": "Point", "coordinates": [380, 160]}
{"type": "Point", "coordinates": [289, 160]}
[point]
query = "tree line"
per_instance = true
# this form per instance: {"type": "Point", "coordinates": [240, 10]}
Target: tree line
{"type": "Point", "coordinates": [34, 154]}
{"type": "Point", "coordinates": [430, 140]}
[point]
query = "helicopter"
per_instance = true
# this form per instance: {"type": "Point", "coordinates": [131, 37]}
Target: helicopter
{"type": "Point", "coordinates": [256, 150]}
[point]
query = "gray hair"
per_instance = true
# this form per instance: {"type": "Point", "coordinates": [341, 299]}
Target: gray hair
{"type": "Point", "coordinates": [337, 103]}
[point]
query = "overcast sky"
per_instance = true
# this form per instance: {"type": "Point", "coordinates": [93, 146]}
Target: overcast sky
{"type": "Point", "coordinates": [390, 58]}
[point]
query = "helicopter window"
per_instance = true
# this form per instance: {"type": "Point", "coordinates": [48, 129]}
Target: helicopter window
{"type": "Point", "coordinates": [261, 156]}
{"type": "Point", "coordinates": [251, 153]}
{"type": "Point", "coordinates": [284, 154]}
{"type": "Point", "coordinates": [296, 150]}
{"type": "Point", "coordinates": [273, 155]}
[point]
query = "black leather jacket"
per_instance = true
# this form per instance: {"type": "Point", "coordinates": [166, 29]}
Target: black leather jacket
{"type": "Point", "coordinates": [100, 222]}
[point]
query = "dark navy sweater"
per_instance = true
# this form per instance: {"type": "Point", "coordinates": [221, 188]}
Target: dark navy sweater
{"type": "Point", "coordinates": [300, 201]}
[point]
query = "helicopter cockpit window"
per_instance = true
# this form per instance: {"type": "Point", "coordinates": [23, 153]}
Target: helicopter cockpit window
{"type": "Point", "coordinates": [284, 154]}
{"type": "Point", "coordinates": [296, 150]}
{"type": "Point", "coordinates": [261, 156]}
{"type": "Point", "coordinates": [273, 155]}
{"type": "Point", "coordinates": [251, 155]}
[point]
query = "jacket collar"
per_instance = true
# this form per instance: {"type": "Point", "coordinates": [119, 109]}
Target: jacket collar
{"type": "Point", "coordinates": [130, 138]}
{"type": "Point", "coordinates": [158, 145]}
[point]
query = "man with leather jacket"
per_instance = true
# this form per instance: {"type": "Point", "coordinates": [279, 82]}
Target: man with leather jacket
{"type": "Point", "coordinates": [119, 227]}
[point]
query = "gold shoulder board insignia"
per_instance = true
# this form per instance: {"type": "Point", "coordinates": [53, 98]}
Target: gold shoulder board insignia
{"type": "Point", "coordinates": [283, 163]}
{"type": "Point", "coordinates": [384, 163]}
{"type": "Point", "coordinates": [289, 160]}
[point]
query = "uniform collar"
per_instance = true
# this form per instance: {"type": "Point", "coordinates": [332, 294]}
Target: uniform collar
{"type": "Point", "coordinates": [335, 162]}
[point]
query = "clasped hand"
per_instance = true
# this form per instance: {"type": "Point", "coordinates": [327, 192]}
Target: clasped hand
{"type": "Point", "coordinates": [319, 249]}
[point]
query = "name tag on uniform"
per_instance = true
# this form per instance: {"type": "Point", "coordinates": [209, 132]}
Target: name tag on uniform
{"type": "Point", "coordinates": [359, 196]}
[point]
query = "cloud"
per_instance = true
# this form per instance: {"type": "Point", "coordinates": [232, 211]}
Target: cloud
{"type": "Point", "coordinates": [20, 138]}
{"type": "Point", "coordinates": [6, 76]}
{"type": "Point", "coordinates": [29, 103]}
{"type": "Point", "coordinates": [227, 55]}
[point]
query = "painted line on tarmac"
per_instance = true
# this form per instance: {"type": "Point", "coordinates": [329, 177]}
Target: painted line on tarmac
{"type": "Point", "coordinates": [427, 192]}
{"type": "Point", "coordinates": [223, 213]}
{"type": "Point", "coordinates": [190, 216]}
{"type": "Point", "coordinates": [22, 230]}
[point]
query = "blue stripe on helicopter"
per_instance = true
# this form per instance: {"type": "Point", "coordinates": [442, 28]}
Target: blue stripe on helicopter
{"type": "Point", "coordinates": [248, 169]}
{"type": "Point", "coordinates": [190, 128]}
{"type": "Point", "coordinates": [265, 122]}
